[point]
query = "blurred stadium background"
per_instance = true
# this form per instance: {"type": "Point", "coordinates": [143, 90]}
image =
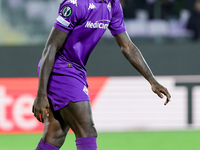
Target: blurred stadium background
{"type": "Point", "coordinates": [137, 120]}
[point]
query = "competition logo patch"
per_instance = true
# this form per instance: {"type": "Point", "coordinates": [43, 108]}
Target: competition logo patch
{"type": "Point", "coordinates": [85, 89]}
{"type": "Point", "coordinates": [67, 11]}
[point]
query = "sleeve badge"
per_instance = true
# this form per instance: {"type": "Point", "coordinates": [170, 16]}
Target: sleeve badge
{"type": "Point", "coordinates": [67, 11]}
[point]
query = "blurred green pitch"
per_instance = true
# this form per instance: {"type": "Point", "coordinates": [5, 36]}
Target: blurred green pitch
{"type": "Point", "coordinates": [166, 140]}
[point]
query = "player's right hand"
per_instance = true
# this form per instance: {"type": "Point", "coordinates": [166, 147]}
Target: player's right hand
{"type": "Point", "coordinates": [159, 90]}
{"type": "Point", "coordinates": [41, 108]}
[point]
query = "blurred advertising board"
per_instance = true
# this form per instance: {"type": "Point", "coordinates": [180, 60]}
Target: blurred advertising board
{"type": "Point", "coordinates": [119, 104]}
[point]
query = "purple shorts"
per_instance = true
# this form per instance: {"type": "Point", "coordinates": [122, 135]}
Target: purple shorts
{"type": "Point", "coordinates": [63, 89]}
{"type": "Point", "coordinates": [66, 86]}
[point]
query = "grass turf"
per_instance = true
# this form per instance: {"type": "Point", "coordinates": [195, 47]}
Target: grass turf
{"type": "Point", "coordinates": [171, 140]}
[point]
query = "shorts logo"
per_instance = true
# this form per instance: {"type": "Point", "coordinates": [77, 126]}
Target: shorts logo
{"type": "Point", "coordinates": [67, 11]}
{"type": "Point", "coordinates": [85, 89]}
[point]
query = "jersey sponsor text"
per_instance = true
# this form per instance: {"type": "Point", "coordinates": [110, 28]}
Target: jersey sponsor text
{"type": "Point", "coordinates": [97, 24]}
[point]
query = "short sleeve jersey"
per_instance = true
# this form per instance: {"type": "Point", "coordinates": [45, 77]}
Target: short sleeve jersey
{"type": "Point", "coordinates": [85, 21]}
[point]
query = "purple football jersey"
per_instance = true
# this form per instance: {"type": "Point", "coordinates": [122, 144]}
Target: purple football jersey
{"type": "Point", "coordinates": [85, 21]}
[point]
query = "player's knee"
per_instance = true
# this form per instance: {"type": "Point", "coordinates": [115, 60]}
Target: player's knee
{"type": "Point", "coordinates": [54, 133]}
{"type": "Point", "coordinates": [54, 137]}
{"type": "Point", "coordinates": [92, 131]}
{"type": "Point", "coordinates": [88, 131]}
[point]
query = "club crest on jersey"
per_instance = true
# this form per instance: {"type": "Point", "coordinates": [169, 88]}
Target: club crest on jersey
{"type": "Point", "coordinates": [67, 11]}
{"type": "Point", "coordinates": [109, 6]}
{"type": "Point", "coordinates": [85, 89]}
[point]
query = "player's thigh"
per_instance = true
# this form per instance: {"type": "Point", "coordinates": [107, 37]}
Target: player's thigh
{"type": "Point", "coordinates": [78, 116]}
{"type": "Point", "coordinates": [55, 129]}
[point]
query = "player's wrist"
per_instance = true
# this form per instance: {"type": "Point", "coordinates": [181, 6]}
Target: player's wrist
{"type": "Point", "coordinates": [153, 81]}
{"type": "Point", "coordinates": [41, 93]}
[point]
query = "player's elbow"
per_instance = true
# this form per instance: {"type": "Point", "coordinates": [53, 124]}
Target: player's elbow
{"type": "Point", "coordinates": [126, 49]}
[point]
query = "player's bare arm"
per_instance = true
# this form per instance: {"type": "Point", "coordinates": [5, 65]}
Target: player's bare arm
{"type": "Point", "coordinates": [134, 56]}
{"type": "Point", "coordinates": [53, 44]}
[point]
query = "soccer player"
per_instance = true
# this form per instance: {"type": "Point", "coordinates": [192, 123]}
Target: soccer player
{"type": "Point", "coordinates": [62, 100]}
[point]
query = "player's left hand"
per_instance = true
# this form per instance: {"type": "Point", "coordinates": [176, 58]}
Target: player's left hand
{"type": "Point", "coordinates": [160, 90]}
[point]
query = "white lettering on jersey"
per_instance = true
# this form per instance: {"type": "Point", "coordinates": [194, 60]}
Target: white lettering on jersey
{"type": "Point", "coordinates": [63, 21]}
{"type": "Point", "coordinates": [98, 24]}
{"type": "Point", "coordinates": [91, 6]}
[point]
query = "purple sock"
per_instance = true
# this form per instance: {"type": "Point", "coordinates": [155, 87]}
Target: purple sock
{"type": "Point", "coordinates": [42, 145]}
{"type": "Point", "coordinates": [86, 143]}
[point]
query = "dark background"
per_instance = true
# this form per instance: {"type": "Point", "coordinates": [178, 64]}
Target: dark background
{"type": "Point", "coordinates": [168, 58]}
